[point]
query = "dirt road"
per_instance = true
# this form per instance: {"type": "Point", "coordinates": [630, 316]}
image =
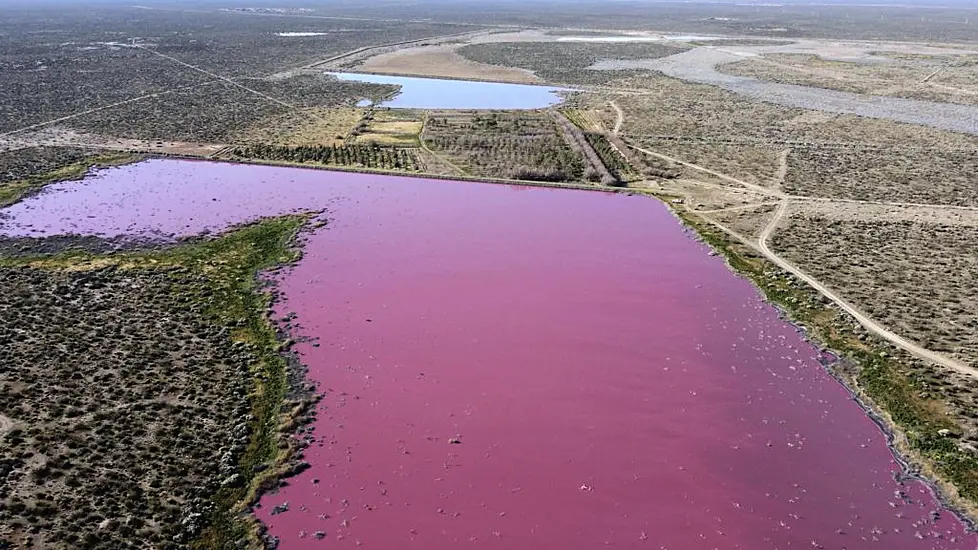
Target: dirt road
{"type": "Point", "coordinates": [782, 170]}
{"type": "Point", "coordinates": [862, 319]}
{"type": "Point", "coordinates": [619, 118]}
{"type": "Point", "coordinates": [752, 186]}
{"type": "Point", "coordinates": [761, 244]}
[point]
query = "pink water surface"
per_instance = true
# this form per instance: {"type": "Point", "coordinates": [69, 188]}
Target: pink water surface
{"type": "Point", "coordinates": [608, 383]}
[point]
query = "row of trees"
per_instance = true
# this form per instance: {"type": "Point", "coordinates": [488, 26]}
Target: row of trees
{"type": "Point", "coordinates": [367, 155]}
{"type": "Point", "coordinates": [597, 171]}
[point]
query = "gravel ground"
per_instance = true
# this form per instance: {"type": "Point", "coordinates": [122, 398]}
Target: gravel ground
{"type": "Point", "coordinates": [699, 65]}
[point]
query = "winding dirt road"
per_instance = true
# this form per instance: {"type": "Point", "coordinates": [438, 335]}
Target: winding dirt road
{"type": "Point", "coordinates": [864, 320]}
{"type": "Point", "coordinates": [762, 246]}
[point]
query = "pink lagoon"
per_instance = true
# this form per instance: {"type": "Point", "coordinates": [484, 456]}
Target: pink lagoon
{"type": "Point", "coordinates": [523, 368]}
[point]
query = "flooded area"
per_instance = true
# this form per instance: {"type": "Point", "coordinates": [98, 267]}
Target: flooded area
{"type": "Point", "coordinates": [441, 93]}
{"type": "Point", "coordinates": [508, 367]}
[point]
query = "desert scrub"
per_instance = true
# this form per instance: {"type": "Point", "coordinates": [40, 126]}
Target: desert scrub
{"type": "Point", "coordinates": [916, 277]}
{"type": "Point", "coordinates": [20, 164]}
{"type": "Point", "coordinates": [900, 76]}
{"type": "Point", "coordinates": [921, 403]}
{"type": "Point", "coordinates": [77, 166]}
{"type": "Point", "coordinates": [566, 62]}
{"type": "Point", "coordinates": [934, 176]}
{"type": "Point", "coordinates": [163, 387]}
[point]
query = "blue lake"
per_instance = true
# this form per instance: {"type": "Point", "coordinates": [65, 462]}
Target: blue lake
{"type": "Point", "coordinates": [439, 93]}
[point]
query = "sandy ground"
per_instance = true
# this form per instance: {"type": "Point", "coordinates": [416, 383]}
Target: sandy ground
{"type": "Point", "coordinates": [442, 61]}
{"type": "Point", "coordinates": [854, 51]}
{"type": "Point", "coordinates": [846, 212]}
{"type": "Point", "coordinates": [5, 425]}
{"type": "Point", "coordinates": [62, 137]}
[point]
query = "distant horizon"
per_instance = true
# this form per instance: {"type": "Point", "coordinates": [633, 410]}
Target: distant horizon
{"type": "Point", "coordinates": [930, 4]}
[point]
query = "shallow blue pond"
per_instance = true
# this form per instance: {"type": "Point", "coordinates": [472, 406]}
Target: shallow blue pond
{"type": "Point", "coordinates": [438, 93]}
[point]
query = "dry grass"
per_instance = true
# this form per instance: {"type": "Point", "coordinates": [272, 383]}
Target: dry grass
{"type": "Point", "coordinates": [392, 129]}
{"type": "Point", "coordinates": [308, 127]}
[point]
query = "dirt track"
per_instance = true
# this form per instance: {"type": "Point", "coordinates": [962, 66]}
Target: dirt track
{"type": "Point", "coordinates": [863, 320]}
{"type": "Point", "coordinates": [761, 245]}
{"type": "Point", "coordinates": [619, 118]}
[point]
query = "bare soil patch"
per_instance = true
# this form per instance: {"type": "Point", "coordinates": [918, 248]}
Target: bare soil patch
{"type": "Point", "coordinates": [307, 127]}
{"type": "Point", "coordinates": [442, 61]}
{"type": "Point", "coordinates": [749, 222]}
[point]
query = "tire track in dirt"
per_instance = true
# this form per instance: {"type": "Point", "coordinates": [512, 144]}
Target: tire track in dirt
{"type": "Point", "coordinates": [782, 170]}
{"type": "Point", "coordinates": [868, 323]}
{"type": "Point", "coordinates": [619, 117]}
{"type": "Point", "coordinates": [761, 245]}
{"type": "Point", "coordinates": [6, 425]}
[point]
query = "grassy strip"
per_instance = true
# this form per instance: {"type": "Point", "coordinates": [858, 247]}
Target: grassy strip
{"type": "Point", "coordinates": [230, 265]}
{"type": "Point", "coordinates": [884, 383]}
{"type": "Point", "coordinates": [16, 191]}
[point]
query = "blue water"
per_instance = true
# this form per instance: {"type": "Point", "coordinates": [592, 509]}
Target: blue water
{"type": "Point", "coordinates": [438, 93]}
